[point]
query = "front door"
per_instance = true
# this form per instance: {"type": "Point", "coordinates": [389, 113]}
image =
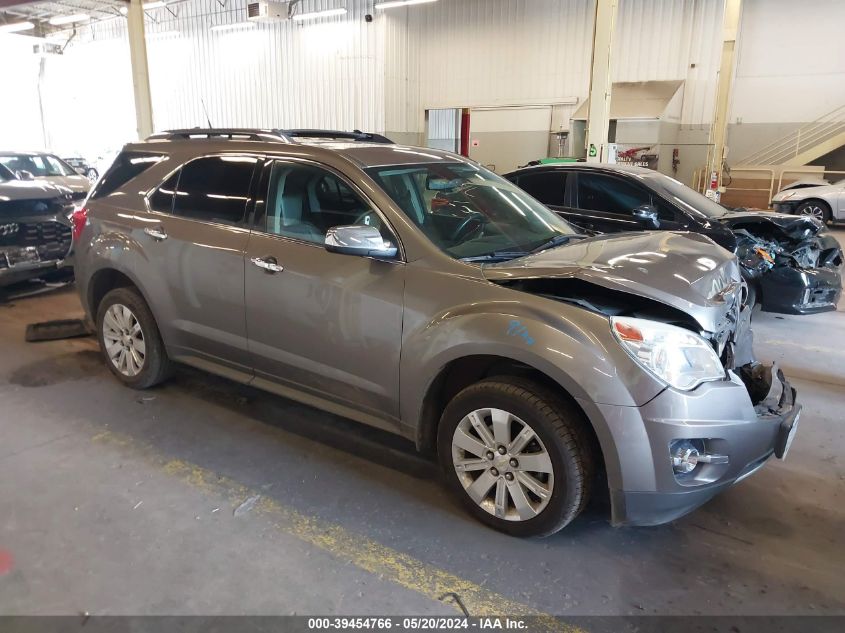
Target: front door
{"type": "Point", "coordinates": [606, 204]}
{"type": "Point", "coordinates": [321, 323]}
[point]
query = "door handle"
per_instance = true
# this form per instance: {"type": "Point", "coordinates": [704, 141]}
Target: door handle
{"type": "Point", "coordinates": [268, 264]}
{"type": "Point", "coordinates": [157, 233]}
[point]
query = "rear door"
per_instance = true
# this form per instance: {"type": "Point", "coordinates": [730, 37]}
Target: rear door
{"type": "Point", "coordinates": [194, 240]}
{"type": "Point", "coordinates": [320, 323]}
{"type": "Point", "coordinates": [554, 188]}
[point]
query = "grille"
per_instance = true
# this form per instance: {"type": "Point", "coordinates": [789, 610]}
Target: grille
{"type": "Point", "coordinates": [52, 239]}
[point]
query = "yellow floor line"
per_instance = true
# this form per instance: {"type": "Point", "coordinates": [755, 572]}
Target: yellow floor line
{"type": "Point", "coordinates": [364, 553]}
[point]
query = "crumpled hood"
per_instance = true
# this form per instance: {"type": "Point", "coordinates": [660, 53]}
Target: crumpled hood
{"type": "Point", "coordinates": [793, 226]}
{"type": "Point", "coordinates": [684, 270]}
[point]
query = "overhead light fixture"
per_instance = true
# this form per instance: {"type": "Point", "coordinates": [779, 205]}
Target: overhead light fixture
{"type": "Point", "coordinates": [314, 15]}
{"type": "Point", "coordinates": [123, 10]}
{"type": "Point", "coordinates": [234, 25]}
{"type": "Point", "coordinates": [157, 4]}
{"type": "Point", "coordinates": [58, 20]}
{"type": "Point", "coordinates": [14, 27]}
{"type": "Point", "coordinates": [400, 3]}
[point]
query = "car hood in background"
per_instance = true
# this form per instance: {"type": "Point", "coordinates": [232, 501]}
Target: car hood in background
{"type": "Point", "coordinates": [30, 190]}
{"type": "Point", "coordinates": [687, 271]}
{"type": "Point", "coordinates": [77, 184]}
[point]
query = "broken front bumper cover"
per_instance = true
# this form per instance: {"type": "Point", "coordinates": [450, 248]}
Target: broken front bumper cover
{"type": "Point", "coordinates": [788, 290]}
{"type": "Point", "coordinates": [722, 415]}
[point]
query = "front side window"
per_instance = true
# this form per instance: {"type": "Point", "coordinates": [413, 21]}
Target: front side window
{"type": "Point", "coordinates": [597, 192]}
{"type": "Point", "coordinates": [469, 212]}
{"type": "Point", "coordinates": [215, 189]}
{"type": "Point", "coordinates": [305, 201]}
{"type": "Point", "coordinates": [548, 187]}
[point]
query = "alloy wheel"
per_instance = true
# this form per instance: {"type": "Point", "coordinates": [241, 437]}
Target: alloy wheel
{"type": "Point", "coordinates": [502, 464]}
{"type": "Point", "coordinates": [124, 340]}
{"type": "Point", "coordinates": [813, 210]}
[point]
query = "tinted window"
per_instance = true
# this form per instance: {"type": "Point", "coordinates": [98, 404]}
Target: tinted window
{"type": "Point", "coordinates": [548, 187]}
{"type": "Point", "coordinates": [125, 167]}
{"type": "Point", "coordinates": [39, 165]}
{"type": "Point", "coordinates": [303, 202]}
{"type": "Point", "coordinates": [215, 189]}
{"type": "Point", "coordinates": [162, 198]}
{"type": "Point", "coordinates": [597, 192]}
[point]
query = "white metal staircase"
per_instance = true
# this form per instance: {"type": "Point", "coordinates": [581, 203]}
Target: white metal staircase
{"type": "Point", "coordinates": [805, 144]}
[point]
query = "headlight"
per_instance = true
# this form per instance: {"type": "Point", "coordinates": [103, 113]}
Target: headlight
{"type": "Point", "coordinates": [676, 356]}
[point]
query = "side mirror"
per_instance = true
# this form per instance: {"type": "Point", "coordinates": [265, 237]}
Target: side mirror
{"type": "Point", "coordinates": [24, 175]}
{"type": "Point", "coordinates": [647, 216]}
{"type": "Point", "coordinates": [357, 239]}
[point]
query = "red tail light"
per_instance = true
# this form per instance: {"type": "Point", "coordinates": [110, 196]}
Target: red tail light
{"type": "Point", "coordinates": [78, 218]}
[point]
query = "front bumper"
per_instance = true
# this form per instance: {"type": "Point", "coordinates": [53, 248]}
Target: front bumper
{"type": "Point", "coordinates": [785, 207]}
{"type": "Point", "coordinates": [649, 491]}
{"type": "Point", "coordinates": [788, 290]}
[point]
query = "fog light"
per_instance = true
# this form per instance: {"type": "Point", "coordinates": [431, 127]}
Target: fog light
{"type": "Point", "coordinates": [687, 454]}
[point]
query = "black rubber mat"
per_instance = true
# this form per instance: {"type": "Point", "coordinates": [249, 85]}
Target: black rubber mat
{"type": "Point", "coordinates": [56, 330]}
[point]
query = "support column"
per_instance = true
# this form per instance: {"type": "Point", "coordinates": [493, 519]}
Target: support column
{"type": "Point", "coordinates": [140, 71]}
{"type": "Point", "coordinates": [719, 130]}
{"type": "Point", "coordinates": [598, 114]}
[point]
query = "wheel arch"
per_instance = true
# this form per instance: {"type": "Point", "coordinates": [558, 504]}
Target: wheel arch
{"type": "Point", "coordinates": [462, 372]}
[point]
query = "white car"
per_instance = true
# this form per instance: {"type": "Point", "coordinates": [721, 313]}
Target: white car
{"type": "Point", "coordinates": [823, 201]}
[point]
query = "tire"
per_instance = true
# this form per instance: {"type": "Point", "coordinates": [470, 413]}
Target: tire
{"type": "Point", "coordinates": [92, 174]}
{"type": "Point", "coordinates": [815, 208]}
{"type": "Point", "coordinates": [120, 310]}
{"type": "Point", "coordinates": [560, 443]}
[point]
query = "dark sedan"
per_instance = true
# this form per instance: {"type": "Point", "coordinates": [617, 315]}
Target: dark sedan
{"type": "Point", "coordinates": [792, 265]}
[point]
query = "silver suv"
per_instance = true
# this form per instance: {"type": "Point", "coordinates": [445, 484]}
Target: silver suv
{"type": "Point", "coordinates": [413, 290]}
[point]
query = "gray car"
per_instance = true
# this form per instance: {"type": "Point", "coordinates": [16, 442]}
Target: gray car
{"type": "Point", "coordinates": [823, 201]}
{"type": "Point", "coordinates": [415, 291]}
{"type": "Point", "coordinates": [35, 229]}
{"type": "Point", "coordinates": [46, 167]}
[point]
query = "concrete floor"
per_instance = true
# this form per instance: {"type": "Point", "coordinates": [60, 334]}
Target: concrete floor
{"type": "Point", "coordinates": [121, 502]}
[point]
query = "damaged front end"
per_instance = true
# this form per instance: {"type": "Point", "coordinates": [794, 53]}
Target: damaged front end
{"type": "Point", "coordinates": [792, 263]}
{"type": "Point", "coordinates": [678, 279]}
{"type": "Point", "coordinates": [35, 238]}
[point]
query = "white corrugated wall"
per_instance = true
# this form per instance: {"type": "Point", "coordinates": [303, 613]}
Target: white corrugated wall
{"type": "Point", "coordinates": [347, 73]}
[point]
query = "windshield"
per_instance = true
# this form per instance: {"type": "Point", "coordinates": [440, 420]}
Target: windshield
{"type": "Point", "coordinates": [689, 199]}
{"type": "Point", "coordinates": [469, 212]}
{"type": "Point", "coordinates": [39, 165]}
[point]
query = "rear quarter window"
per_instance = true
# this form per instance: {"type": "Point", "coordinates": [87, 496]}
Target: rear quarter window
{"type": "Point", "coordinates": [126, 166]}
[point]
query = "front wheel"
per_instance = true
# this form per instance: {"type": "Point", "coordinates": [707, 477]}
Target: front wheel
{"type": "Point", "coordinates": [517, 455]}
{"type": "Point", "coordinates": [815, 209]}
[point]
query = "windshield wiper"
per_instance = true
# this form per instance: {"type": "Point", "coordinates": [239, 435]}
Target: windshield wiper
{"type": "Point", "coordinates": [501, 256]}
{"type": "Point", "coordinates": [557, 240]}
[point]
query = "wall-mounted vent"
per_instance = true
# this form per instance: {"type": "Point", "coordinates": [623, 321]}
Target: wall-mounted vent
{"type": "Point", "coordinates": [263, 11]}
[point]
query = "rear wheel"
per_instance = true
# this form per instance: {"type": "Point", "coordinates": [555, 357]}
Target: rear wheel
{"type": "Point", "coordinates": [130, 340]}
{"type": "Point", "coordinates": [517, 456]}
{"type": "Point", "coordinates": [816, 209]}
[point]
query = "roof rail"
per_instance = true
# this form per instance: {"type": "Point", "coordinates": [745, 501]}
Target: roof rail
{"type": "Point", "coordinates": [254, 134]}
{"type": "Point", "coordinates": [232, 133]}
{"type": "Point", "coordinates": [354, 135]}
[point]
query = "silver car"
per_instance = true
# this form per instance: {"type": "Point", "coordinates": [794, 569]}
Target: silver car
{"type": "Point", "coordinates": [823, 201]}
{"type": "Point", "coordinates": [413, 290]}
{"type": "Point", "coordinates": [46, 168]}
